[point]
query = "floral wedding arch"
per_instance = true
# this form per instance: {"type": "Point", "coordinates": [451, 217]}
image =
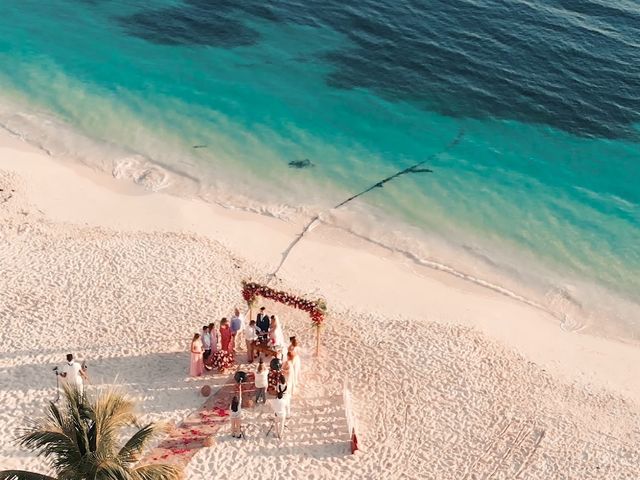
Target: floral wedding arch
{"type": "Point", "coordinates": [315, 308]}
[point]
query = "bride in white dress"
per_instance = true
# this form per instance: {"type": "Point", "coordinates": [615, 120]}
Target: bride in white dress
{"type": "Point", "coordinates": [275, 332]}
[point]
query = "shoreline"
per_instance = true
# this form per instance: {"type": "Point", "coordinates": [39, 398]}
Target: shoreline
{"type": "Point", "coordinates": [579, 303]}
{"type": "Point", "coordinates": [330, 261]}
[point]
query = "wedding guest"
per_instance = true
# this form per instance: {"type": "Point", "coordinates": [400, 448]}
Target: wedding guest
{"type": "Point", "coordinates": [206, 343]}
{"type": "Point", "coordinates": [236, 416]}
{"type": "Point", "coordinates": [282, 391]}
{"type": "Point", "coordinates": [261, 381]}
{"type": "Point", "coordinates": [250, 336]}
{"type": "Point", "coordinates": [290, 370]}
{"type": "Point", "coordinates": [197, 366]}
{"type": "Point", "coordinates": [262, 323]}
{"type": "Point", "coordinates": [226, 339]}
{"type": "Point", "coordinates": [279, 406]}
{"type": "Point", "coordinates": [276, 336]}
{"type": "Point", "coordinates": [214, 337]}
{"type": "Point", "coordinates": [294, 348]}
{"type": "Point", "coordinates": [237, 324]}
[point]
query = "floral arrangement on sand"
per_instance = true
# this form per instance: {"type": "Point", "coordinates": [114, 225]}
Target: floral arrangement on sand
{"type": "Point", "coordinates": [221, 360]}
{"type": "Point", "coordinates": [315, 308]}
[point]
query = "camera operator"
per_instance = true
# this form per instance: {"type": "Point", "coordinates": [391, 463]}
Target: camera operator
{"type": "Point", "coordinates": [73, 374]}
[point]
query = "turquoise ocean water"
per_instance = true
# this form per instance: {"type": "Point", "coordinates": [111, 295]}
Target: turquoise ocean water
{"type": "Point", "coordinates": [540, 198]}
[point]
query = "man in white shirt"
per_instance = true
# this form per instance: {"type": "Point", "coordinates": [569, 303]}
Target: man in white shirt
{"type": "Point", "coordinates": [250, 336]}
{"type": "Point", "coordinates": [73, 375]}
{"type": "Point", "coordinates": [206, 342]}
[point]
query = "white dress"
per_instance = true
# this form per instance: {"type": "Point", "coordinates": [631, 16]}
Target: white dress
{"type": "Point", "coordinates": [277, 336]}
{"type": "Point", "coordinates": [292, 380]}
{"type": "Point", "coordinates": [297, 363]}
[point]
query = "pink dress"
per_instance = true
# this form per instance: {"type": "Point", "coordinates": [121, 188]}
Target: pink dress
{"type": "Point", "coordinates": [197, 366]}
{"type": "Point", "coordinates": [225, 339]}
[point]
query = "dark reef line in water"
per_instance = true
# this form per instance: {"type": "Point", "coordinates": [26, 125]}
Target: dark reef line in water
{"type": "Point", "coordinates": [415, 168]}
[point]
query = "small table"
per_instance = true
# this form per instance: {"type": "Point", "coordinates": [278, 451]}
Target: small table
{"type": "Point", "coordinates": [263, 348]}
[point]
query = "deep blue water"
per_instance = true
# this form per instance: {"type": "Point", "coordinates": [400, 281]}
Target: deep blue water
{"type": "Point", "coordinates": [541, 195]}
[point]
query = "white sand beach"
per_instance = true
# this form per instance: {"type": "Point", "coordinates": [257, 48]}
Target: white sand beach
{"type": "Point", "coordinates": [449, 380]}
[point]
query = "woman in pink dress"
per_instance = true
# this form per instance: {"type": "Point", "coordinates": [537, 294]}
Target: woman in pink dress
{"type": "Point", "coordinates": [225, 336]}
{"type": "Point", "coordinates": [197, 365]}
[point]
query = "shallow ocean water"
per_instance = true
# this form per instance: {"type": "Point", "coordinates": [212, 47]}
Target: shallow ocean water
{"type": "Point", "coordinates": [540, 196]}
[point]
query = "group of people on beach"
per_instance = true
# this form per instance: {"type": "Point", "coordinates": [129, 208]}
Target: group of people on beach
{"type": "Point", "coordinates": [279, 379]}
{"type": "Point", "coordinates": [214, 343]}
{"type": "Point", "coordinates": [216, 348]}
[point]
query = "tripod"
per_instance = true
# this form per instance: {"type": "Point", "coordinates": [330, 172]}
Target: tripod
{"type": "Point", "coordinates": [57, 386]}
{"type": "Point", "coordinates": [274, 424]}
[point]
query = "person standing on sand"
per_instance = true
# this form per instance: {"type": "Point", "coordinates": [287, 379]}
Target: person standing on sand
{"type": "Point", "coordinates": [276, 336]}
{"type": "Point", "coordinates": [237, 323]}
{"type": "Point", "coordinates": [262, 382]}
{"type": "Point", "coordinates": [289, 369]}
{"type": "Point", "coordinates": [206, 343]}
{"type": "Point", "coordinates": [282, 391]}
{"type": "Point", "coordinates": [214, 337]}
{"type": "Point", "coordinates": [262, 323]}
{"type": "Point", "coordinates": [250, 336]}
{"type": "Point", "coordinates": [226, 339]}
{"type": "Point", "coordinates": [197, 366]}
{"type": "Point", "coordinates": [73, 375]}
{"type": "Point", "coordinates": [236, 416]}
{"type": "Point", "coordinates": [279, 406]}
{"type": "Point", "coordinates": [294, 349]}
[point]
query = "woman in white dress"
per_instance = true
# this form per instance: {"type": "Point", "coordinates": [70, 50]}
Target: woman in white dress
{"type": "Point", "coordinates": [275, 332]}
{"type": "Point", "coordinates": [291, 372]}
{"type": "Point", "coordinates": [294, 349]}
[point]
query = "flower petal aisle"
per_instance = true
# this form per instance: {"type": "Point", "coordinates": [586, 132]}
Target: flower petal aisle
{"type": "Point", "coordinates": [193, 433]}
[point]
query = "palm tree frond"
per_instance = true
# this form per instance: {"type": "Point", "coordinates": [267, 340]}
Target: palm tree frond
{"type": "Point", "coordinates": [116, 407]}
{"type": "Point", "coordinates": [55, 417]}
{"type": "Point", "coordinates": [112, 470]}
{"type": "Point", "coordinates": [157, 471]}
{"type": "Point", "coordinates": [111, 412]}
{"type": "Point", "coordinates": [23, 475]}
{"type": "Point", "coordinates": [78, 416]}
{"type": "Point", "coordinates": [47, 442]}
{"type": "Point", "coordinates": [81, 439]}
{"type": "Point", "coordinates": [131, 450]}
